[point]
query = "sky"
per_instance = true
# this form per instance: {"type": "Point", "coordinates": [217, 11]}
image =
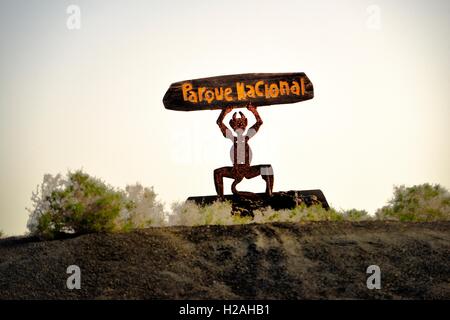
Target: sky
{"type": "Point", "coordinates": [91, 97]}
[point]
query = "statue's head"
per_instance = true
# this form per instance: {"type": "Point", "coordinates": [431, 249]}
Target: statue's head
{"type": "Point", "coordinates": [238, 123]}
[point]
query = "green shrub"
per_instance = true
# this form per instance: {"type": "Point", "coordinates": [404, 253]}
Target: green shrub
{"type": "Point", "coordinates": [79, 204]}
{"type": "Point", "coordinates": [1, 234]}
{"type": "Point", "coordinates": [301, 213]}
{"type": "Point", "coordinates": [355, 215]}
{"type": "Point", "coordinates": [219, 213]}
{"type": "Point", "coordinates": [190, 214]}
{"type": "Point", "coordinates": [423, 202]}
{"type": "Point", "coordinates": [141, 209]}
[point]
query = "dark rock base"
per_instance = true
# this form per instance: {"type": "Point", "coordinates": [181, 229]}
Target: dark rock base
{"type": "Point", "coordinates": [245, 203]}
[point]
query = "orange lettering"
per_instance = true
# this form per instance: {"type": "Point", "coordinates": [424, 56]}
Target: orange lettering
{"type": "Point", "coordinates": [251, 91]}
{"type": "Point", "coordinates": [266, 89]}
{"type": "Point", "coordinates": [273, 90]}
{"type": "Point", "coordinates": [295, 88]}
{"type": "Point", "coordinates": [219, 93]}
{"type": "Point", "coordinates": [302, 82]}
{"type": "Point", "coordinates": [284, 88]}
{"type": "Point", "coordinates": [228, 92]}
{"type": "Point", "coordinates": [186, 87]}
{"type": "Point", "coordinates": [200, 93]}
{"type": "Point", "coordinates": [240, 91]}
{"type": "Point", "coordinates": [259, 93]}
{"type": "Point", "coordinates": [193, 97]}
{"type": "Point", "coordinates": [209, 96]}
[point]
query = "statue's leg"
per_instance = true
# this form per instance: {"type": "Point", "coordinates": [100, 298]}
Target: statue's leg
{"type": "Point", "coordinates": [266, 172]}
{"type": "Point", "coordinates": [219, 174]}
{"type": "Point", "coordinates": [267, 175]}
{"type": "Point", "coordinates": [235, 183]}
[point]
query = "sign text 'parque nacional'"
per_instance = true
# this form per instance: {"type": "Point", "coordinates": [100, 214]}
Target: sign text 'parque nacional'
{"type": "Point", "coordinates": [239, 90]}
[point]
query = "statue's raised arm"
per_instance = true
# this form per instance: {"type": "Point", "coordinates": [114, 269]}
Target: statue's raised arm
{"type": "Point", "coordinates": [254, 129]}
{"type": "Point", "coordinates": [220, 123]}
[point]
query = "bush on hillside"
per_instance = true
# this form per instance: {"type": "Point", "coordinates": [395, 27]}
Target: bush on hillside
{"type": "Point", "coordinates": [142, 208]}
{"type": "Point", "coordinates": [79, 204]}
{"type": "Point", "coordinates": [423, 202]}
{"type": "Point", "coordinates": [219, 213]}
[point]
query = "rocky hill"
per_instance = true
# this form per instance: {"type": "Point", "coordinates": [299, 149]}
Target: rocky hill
{"type": "Point", "coordinates": [255, 261]}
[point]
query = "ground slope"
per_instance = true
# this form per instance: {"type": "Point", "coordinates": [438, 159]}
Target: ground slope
{"type": "Point", "coordinates": [255, 261]}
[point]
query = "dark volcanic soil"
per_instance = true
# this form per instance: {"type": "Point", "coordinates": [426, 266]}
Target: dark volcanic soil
{"type": "Point", "coordinates": [256, 261]}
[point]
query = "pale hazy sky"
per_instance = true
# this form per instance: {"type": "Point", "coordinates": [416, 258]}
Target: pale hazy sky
{"type": "Point", "coordinates": [92, 98]}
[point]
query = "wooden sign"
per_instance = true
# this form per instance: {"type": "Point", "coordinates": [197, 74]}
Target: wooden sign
{"type": "Point", "coordinates": [260, 89]}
